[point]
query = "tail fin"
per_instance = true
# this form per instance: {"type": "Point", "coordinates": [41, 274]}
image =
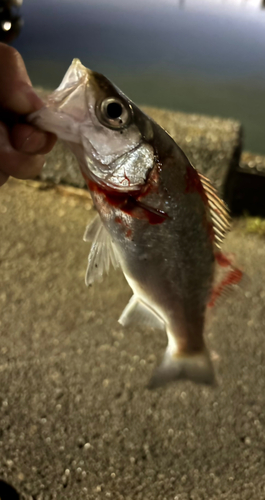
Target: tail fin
{"type": "Point", "coordinates": [195, 367]}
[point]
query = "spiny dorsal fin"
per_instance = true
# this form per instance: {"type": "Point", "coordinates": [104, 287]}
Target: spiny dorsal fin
{"type": "Point", "coordinates": [218, 210]}
{"type": "Point", "coordinates": [102, 252]}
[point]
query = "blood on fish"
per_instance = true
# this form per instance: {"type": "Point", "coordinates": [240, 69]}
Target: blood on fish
{"type": "Point", "coordinates": [127, 179]}
{"type": "Point", "coordinates": [153, 215]}
{"type": "Point", "coordinates": [128, 231]}
{"type": "Point", "coordinates": [222, 260]}
{"type": "Point", "coordinates": [193, 184]}
{"type": "Point", "coordinates": [128, 204]}
{"type": "Point", "coordinates": [152, 183]}
{"type": "Point", "coordinates": [114, 198]}
{"type": "Point", "coordinates": [232, 278]}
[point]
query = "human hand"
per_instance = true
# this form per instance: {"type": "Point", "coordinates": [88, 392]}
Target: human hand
{"type": "Point", "coordinates": [22, 146]}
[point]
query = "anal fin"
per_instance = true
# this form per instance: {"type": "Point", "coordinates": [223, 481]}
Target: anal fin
{"type": "Point", "coordinates": [137, 311]}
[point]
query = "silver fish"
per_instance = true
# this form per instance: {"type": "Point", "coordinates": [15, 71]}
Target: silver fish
{"type": "Point", "coordinates": [158, 218]}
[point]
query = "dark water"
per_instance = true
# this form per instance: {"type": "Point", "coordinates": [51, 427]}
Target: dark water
{"type": "Point", "coordinates": [201, 60]}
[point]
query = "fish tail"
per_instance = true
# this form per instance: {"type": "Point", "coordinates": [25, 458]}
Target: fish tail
{"type": "Point", "coordinates": [196, 367]}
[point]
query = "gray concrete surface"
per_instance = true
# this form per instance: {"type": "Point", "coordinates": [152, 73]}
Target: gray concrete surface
{"type": "Point", "coordinates": [213, 145]}
{"type": "Point", "coordinates": [76, 419]}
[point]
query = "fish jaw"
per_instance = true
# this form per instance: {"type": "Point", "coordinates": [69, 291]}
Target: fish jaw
{"type": "Point", "coordinates": [70, 99]}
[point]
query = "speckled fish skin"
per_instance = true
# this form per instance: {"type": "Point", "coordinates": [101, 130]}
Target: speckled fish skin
{"type": "Point", "coordinates": [155, 210]}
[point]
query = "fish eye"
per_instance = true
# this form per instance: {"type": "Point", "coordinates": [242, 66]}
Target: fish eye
{"type": "Point", "coordinates": [114, 110]}
{"type": "Point", "coordinates": [113, 113]}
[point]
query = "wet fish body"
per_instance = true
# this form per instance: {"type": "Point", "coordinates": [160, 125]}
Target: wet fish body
{"type": "Point", "coordinates": [158, 219]}
{"type": "Point", "coordinates": [167, 258]}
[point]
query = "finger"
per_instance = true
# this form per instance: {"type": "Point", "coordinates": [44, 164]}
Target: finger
{"type": "Point", "coordinates": [3, 178]}
{"type": "Point", "coordinates": [28, 139]}
{"type": "Point", "coordinates": [16, 93]}
{"type": "Point", "coordinates": [15, 163]}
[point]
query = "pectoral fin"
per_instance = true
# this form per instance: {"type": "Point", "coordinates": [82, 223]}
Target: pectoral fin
{"type": "Point", "coordinates": [102, 252]}
{"type": "Point", "coordinates": [92, 229]}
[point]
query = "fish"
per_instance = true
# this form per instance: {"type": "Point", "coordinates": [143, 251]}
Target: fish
{"type": "Point", "coordinates": [158, 218]}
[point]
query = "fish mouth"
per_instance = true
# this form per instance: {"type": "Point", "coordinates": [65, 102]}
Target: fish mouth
{"type": "Point", "coordinates": [68, 114]}
{"type": "Point", "coordinates": [75, 73]}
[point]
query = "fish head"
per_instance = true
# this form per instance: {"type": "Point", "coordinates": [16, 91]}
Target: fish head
{"type": "Point", "coordinates": [110, 136]}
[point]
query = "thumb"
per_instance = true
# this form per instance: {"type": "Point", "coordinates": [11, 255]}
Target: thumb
{"type": "Point", "coordinates": [16, 93]}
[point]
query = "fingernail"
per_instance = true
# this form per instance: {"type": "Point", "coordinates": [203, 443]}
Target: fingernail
{"type": "Point", "coordinates": [34, 143]}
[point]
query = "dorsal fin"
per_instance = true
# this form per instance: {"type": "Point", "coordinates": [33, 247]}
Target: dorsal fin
{"type": "Point", "coordinates": [218, 210]}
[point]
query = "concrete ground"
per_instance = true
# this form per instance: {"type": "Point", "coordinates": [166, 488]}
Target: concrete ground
{"type": "Point", "coordinates": [76, 419]}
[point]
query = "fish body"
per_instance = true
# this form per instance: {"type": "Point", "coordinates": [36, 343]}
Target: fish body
{"type": "Point", "coordinates": [155, 214]}
{"type": "Point", "coordinates": [166, 253]}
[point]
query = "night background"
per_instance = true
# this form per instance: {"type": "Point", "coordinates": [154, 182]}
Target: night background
{"type": "Point", "coordinates": [201, 57]}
